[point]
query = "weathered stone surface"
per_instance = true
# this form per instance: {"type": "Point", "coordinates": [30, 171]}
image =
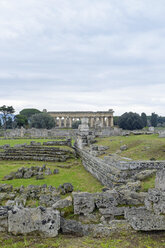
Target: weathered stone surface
{"type": "Point", "coordinates": [6, 196]}
{"type": "Point", "coordinates": [155, 201]}
{"type": "Point", "coordinates": [48, 172]}
{"type": "Point", "coordinates": [3, 218]}
{"type": "Point", "coordinates": [128, 197]}
{"type": "Point", "coordinates": [28, 220]}
{"type": "Point", "coordinates": [8, 177]}
{"type": "Point", "coordinates": [114, 211]}
{"type": "Point", "coordinates": [56, 171]}
{"type": "Point", "coordinates": [106, 200]}
{"type": "Point", "coordinates": [160, 180]}
{"type": "Point", "coordinates": [123, 148]}
{"type": "Point", "coordinates": [20, 201]}
{"type": "Point", "coordinates": [6, 188]}
{"type": "Point", "coordinates": [101, 230]}
{"type": "Point", "coordinates": [63, 203]}
{"type": "Point", "coordinates": [83, 203]}
{"type": "Point", "coordinates": [73, 227]}
{"type": "Point", "coordinates": [144, 220]}
{"type": "Point", "coordinates": [48, 200]}
{"type": "Point", "coordinates": [132, 186]}
{"type": "Point", "coordinates": [40, 177]}
{"type": "Point", "coordinates": [144, 174]}
{"type": "Point", "coordinates": [10, 203]}
{"type": "Point", "coordinates": [28, 174]}
{"type": "Point", "coordinates": [65, 188]}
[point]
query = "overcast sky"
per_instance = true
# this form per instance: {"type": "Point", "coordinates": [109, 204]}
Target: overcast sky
{"type": "Point", "coordinates": [83, 55]}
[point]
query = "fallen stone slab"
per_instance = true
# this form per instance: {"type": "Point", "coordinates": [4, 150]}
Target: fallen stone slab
{"type": "Point", "coordinates": [44, 221]}
{"type": "Point", "coordinates": [143, 220]}
{"type": "Point", "coordinates": [73, 227]}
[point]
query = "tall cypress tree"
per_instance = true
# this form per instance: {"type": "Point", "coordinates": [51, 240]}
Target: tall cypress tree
{"type": "Point", "coordinates": [144, 119]}
{"type": "Point", "coordinates": [154, 119]}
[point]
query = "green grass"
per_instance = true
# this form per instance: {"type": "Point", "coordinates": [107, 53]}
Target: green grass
{"type": "Point", "coordinates": [76, 175]}
{"type": "Point", "coordinates": [148, 183]}
{"type": "Point", "coordinates": [129, 239]}
{"type": "Point", "coordinates": [140, 147]}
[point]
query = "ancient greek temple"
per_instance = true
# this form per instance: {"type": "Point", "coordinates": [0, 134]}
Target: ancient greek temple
{"type": "Point", "coordinates": [66, 119]}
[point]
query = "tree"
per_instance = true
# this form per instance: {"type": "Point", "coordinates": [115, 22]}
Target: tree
{"type": "Point", "coordinates": [9, 123]}
{"type": "Point", "coordinates": [154, 119]}
{"type": "Point", "coordinates": [6, 111]}
{"type": "Point", "coordinates": [144, 119]}
{"type": "Point", "coordinates": [21, 121]}
{"type": "Point", "coordinates": [130, 121]}
{"type": "Point", "coordinates": [29, 112]}
{"type": "Point", "coordinates": [115, 120]}
{"type": "Point", "coordinates": [42, 120]}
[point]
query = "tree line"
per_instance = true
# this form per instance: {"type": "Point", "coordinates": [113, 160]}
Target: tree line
{"type": "Point", "coordinates": [35, 118]}
{"type": "Point", "coordinates": [26, 118]}
{"type": "Point", "coordinates": [133, 121]}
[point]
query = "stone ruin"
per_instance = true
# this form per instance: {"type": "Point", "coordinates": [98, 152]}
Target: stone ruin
{"type": "Point", "coordinates": [120, 208]}
{"type": "Point", "coordinates": [152, 216]}
{"type": "Point", "coordinates": [37, 151]}
{"type": "Point", "coordinates": [34, 171]}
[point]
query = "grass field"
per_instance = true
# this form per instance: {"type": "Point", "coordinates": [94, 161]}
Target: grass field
{"type": "Point", "coordinates": [76, 175]}
{"type": "Point", "coordinates": [83, 181]}
{"type": "Point", "coordinates": [140, 147]}
{"type": "Point", "coordinates": [129, 239]}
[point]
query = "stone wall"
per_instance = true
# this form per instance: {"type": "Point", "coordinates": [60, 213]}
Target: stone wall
{"type": "Point", "coordinates": [135, 165]}
{"type": "Point", "coordinates": [39, 133]}
{"type": "Point", "coordinates": [104, 172]}
{"type": "Point", "coordinates": [110, 172]}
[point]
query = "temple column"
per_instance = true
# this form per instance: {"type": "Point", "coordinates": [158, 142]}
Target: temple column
{"type": "Point", "coordinates": [65, 121]}
{"type": "Point", "coordinates": [60, 122]}
{"type": "Point", "coordinates": [70, 122]}
{"type": "Point", "coordinates": [111, 121]}
{"type": "Point", "coordinates": [92, 122]}
{"type": "Point", "coordinates": [107, 122]}
{"type": "Point", "coordinates": [102, 121]}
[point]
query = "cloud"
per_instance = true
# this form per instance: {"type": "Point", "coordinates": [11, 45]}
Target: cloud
{"type": "Point", "coordinates": [83, 55]}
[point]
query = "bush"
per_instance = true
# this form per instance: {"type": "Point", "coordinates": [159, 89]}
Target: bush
{"type": "Point", "coordinates": [42, 120]}
{"type": "Point", "coordinates": [130, 121]}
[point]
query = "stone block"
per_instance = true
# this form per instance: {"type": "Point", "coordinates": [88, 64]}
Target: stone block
{"type": "Point", "coordinates": [73, 227]}
{"type": "Point", "coordinates": [83, 203]}
{"type": "Point", "coordinates": [160, 180]}
{"type": "Point", "coordinates": [29, 220]}
{"type": "Point", "coordinates": [106, 200]}
{"type": "Point", "coordinates": [63, 203]}
{"type": "Point", "coordinates": [3, 218]}
{"type": "Point", "coordinates": [143, 220]}
{"type": "Point", "coordinates": [155, 201]}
